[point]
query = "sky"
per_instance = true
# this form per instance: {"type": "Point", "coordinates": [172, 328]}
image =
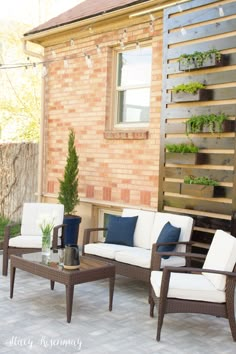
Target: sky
{"type": "Point", "coordinates": [33, 11]}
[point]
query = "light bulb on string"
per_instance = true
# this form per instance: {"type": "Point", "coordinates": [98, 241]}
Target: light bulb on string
{"type": "Point", "coordinates": [72, 42]}
{"type": "Point", "coordinates": [44, 71]}
{"type": "Point", "coordinates": [137, 45]}
{"type": "Point", "coordinates": [183, 31]}
{"type": "Point", "coordinates": [151, 27]}
{"type": "Point", "coordinates": [221, 11]}
{"type": "Point", "coordinates": [98, 49]}
{"type": "Point", "coordinates": [122, 46]}
{"type": "Point", "coordinates": [152, 18]}
{"type": "Point", "coordinates": [125, 34]}
{"type": "Point", "coordinates": [180, 8]}
{"type": "Point", "coordinates": [53, 53]}
{"type": "Point", "coordinates": [89, 61]}
{"type": "Point", "coordinates": [91, 30]}
{"type": "Point", "coordinates": [66, 63]}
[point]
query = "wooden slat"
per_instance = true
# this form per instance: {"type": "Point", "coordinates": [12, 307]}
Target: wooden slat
{"type": "Point", "coordinates": [198, 205]}
{"type": "Point", "coordinates": [220, 44]}
{"type": "Point", "coordinates": [187, 112]}
{"type": "Point", "coordinates": [180, 172]}
{"type": "Point", "coordinates": [200, 16]}
{"type": "Point", "coordinates": [204, 142]}
{"type": "Point", "coordinates": [202, 32]}
{"type": "Point", "coordinates": [211, 78]}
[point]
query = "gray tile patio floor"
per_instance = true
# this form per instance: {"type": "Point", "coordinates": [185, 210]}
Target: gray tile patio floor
{"type": "Point", "coordinates": [34, 321]}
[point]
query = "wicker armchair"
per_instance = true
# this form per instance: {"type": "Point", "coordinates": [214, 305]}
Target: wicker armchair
{"type": "Point", "coordinates": [209, 290]}
{"type": "Point", "coordinates": [30, 238]}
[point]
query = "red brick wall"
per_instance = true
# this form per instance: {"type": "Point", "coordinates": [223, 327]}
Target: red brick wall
{"type": "Point", "coordinates": [121, 170]}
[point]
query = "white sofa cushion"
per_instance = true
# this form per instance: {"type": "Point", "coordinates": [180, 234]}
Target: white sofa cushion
{"type": "Point", "coordinates": [26, 241]}
{"type": "Point", "coordinates": [182, 221]}
{"type": "Point", "coordinates": [221, 256]}
{"type": "Point", "coordinates": [135, 256]}
{"type": "Point", "coordinates": [33, 213]}
{"type": "Point", "coordinates": [143, 228]}
{"type": "Point", "coordinates": [188, 286]}
{"type": "Point", "coordinates": [106, 250]}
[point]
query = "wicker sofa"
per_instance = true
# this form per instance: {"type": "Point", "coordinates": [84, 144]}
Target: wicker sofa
{"type": "Point", "coordinates": [135, 262]}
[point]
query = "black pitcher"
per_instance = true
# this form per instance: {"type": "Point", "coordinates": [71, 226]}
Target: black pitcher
{"type": "Point", "coordinates": [71, 258]}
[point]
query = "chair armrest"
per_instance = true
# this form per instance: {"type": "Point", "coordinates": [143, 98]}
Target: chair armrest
{"type": "Point", "coordinates": [197, 270]}
{"type": "Point", "coordinates": [55, 235]}
{"type": "Point", "coordinates": [156, 256]}
{"type": "Point", "coordinates": [87, 235]}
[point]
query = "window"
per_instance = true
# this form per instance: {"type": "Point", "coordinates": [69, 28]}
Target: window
{"type": "Point", "coordinates": [133, 81]}
{"type": "Point", "coordinates": [103, 216]}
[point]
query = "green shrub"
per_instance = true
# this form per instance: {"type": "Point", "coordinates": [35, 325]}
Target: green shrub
{"type": "Point", "coordinates": [182, 148]}
{"type": "Point", "coordinates": [191, 87]}
{"type": "Point", "coordinates": [200, 180]}
{"type": "Point", "coordinates": [199, 57]}
{"type": "Point", "coordinates": [3, 223]}
{"type": "Point", "coordinates": [213, 121]}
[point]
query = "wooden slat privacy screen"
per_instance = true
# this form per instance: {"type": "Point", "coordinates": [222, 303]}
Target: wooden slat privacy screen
{"type": "Point", "coordinates": [200, 25]}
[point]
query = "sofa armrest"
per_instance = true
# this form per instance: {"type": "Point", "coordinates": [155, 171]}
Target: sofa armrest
{"type": "Point", "coordinates": [87, 235]}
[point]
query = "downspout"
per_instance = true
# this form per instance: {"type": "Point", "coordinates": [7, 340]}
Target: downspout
{"type": "Point", "coordinates": [42, 125]}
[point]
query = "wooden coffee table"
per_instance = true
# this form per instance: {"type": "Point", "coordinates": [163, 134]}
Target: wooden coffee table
{"type": "Point", "coordinates": [90, 270]}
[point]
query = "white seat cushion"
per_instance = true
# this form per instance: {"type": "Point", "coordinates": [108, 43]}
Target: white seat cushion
{"type": "Point", "coordinates": [173, 262]}
{"type": "Point", "coordinates": [143, 227]}
{"type": "Point", "coordinates": [26, 242]}
{"type": "Point", "coordinates": [106, 250]}
{"type": "Point", "coordinates": [136, 256]}
{"type": "Point", "coordinates": [182, 221]}
{"type": "Point", "coordinates": [221, 256]}
{"type": "Point", "coordinates": [188, 286]}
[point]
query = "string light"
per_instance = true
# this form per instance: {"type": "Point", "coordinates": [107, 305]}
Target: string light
{"type": "Point", "coordinates": [221, 11]}
{"type": "Point", "coordinates": [91, 30]}
{"type": "Point", "coordinates": [98, 49]}
{"type": "Point", "coordinates": [151, 27]}
{"type": "Point", "coordinates": [66, 63]}
{"type": "Point", "coordinates": [183, 31]}
{"type": "Point", "coordinates": [44, 71]}
{"type": "Point", "coordinates": [125, 34]}
{"type": "Point", "coordinates": [137, 45]}
{"type": "Point", "coordinates": [72, 42]}
{"type": "Point", "coordinates": [53, 53]}
{"type": "Point", "coordinates": [122, 46]}
{"type": "Point", "coordinates": [180, 8]}
{"type": "Point", "coordinates": [152, 18]}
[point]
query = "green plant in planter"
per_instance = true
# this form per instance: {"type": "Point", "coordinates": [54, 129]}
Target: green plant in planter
{"type": "Point", "coordinates": [213, 121]}
{"type": "Point", "coordinates": [191, 87]}
{"type": "Point", "coordinates": [68, 193]}
{"type": "Point", "coordinates": [199, 57]}
{"type": "Point", "coordinates": [206, 181]}
{"type": "Point", "coordinates": [182, 148]}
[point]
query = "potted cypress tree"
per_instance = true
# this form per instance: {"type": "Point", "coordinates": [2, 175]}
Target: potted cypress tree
{"type": "Point", "coordinates": [68, 192]}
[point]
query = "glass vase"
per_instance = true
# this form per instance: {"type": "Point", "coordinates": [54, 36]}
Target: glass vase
{"type": "Point", "coordinates": [46, 243]}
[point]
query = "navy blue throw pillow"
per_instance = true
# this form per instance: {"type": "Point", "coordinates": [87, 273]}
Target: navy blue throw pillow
{"type": "Point", "coordinates": [120, 230]}
{"type": "Point", "coordinates": [169, 233]}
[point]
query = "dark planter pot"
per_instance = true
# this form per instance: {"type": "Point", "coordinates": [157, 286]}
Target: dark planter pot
{"type": "Point", "coordinates": [197, 190]}
{"type": "Point", "coordinates": [187, 158]}
{"type": "Point", "coordinates": [189, 65]}
{"type": "Point", "coordinates": [227, 126]}
{"type": "Point", "coordinates": [200, 95]}
{"type": "Point", "coordinates": [72, 229]}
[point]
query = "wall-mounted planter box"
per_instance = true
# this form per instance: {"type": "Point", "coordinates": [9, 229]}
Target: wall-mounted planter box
{"type": "Point", "coordinates": [191, 64]}
{"type": "Point", "coordinates": [187, 158]}
{"type": "Point", "coordinates": [201, 95]}
{"type": "Point", "coordinates": [227, 126]}
{"type": "Point", "coordinates": [197, 190]}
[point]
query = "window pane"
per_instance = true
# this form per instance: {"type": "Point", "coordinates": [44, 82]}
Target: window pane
{"type": "Point", "coordinates": [133, 105]}
{"type": "Point", "coordinates": [134, 67]}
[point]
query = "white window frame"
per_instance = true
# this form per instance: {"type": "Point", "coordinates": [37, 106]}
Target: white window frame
{"type": "Point", "coordinates": [117, 89]}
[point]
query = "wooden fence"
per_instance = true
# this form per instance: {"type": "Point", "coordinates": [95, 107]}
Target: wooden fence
{"type": "Point", "coordinates": [18, 177]}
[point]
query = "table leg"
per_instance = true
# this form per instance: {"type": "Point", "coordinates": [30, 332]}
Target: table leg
{"type": "Point", "coordinates": [52, 284]}
{"type": "Point", "coordinates": [111, 291]}
{"type": "Point", "coordinates": [69, 301]}
{"type": "Point", "coordinates": [12, 280]}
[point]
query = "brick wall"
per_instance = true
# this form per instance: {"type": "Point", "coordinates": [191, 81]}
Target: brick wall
{"type": "Point", "coordinates": [116, 169]}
